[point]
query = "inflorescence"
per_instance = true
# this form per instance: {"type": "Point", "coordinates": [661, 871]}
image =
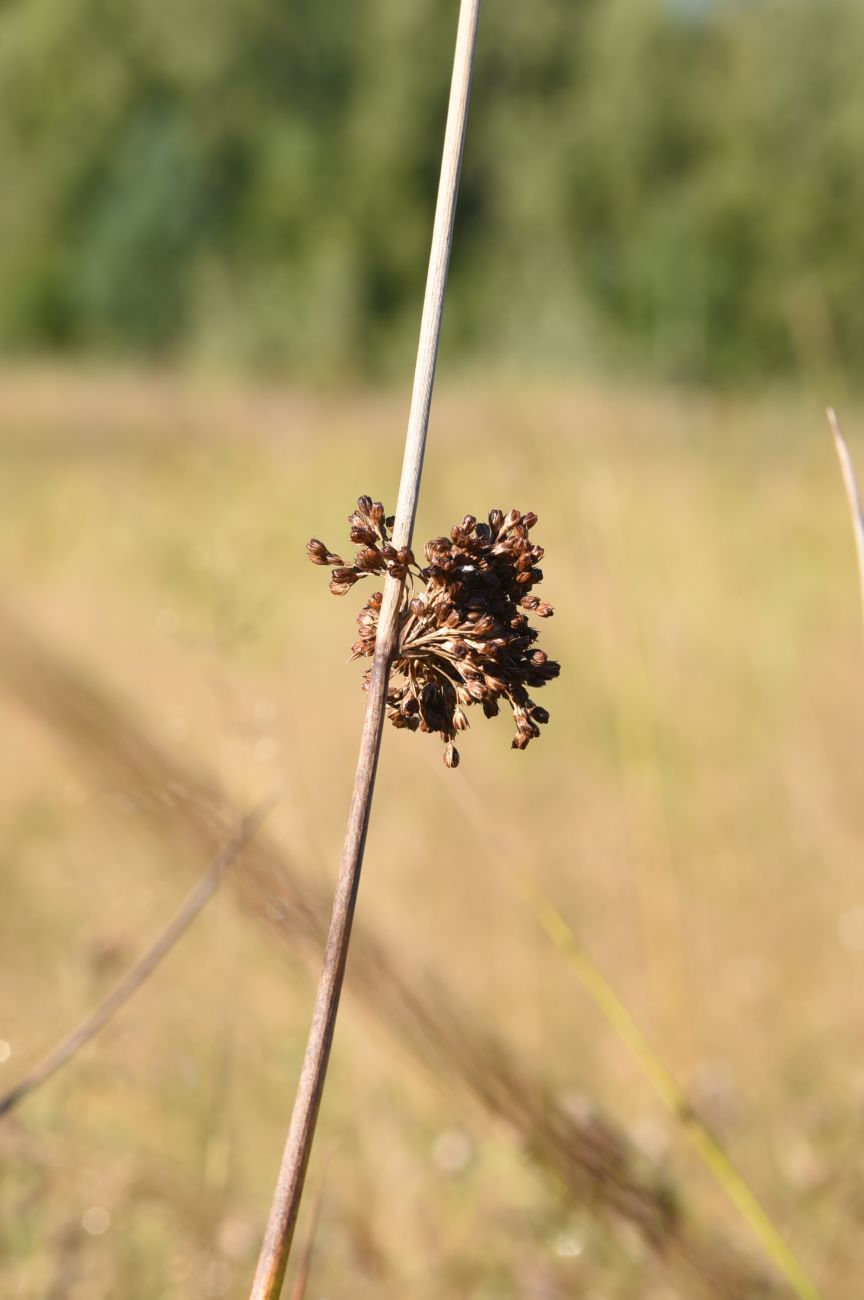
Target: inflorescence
{"type": "Point", "coordinates": [464, 636]}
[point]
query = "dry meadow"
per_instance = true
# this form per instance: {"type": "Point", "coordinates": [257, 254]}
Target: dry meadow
{"type": "Point", "coordinates": [168, 656]}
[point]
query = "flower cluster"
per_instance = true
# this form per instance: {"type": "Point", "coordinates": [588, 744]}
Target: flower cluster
{"type": "Point", "coordinates": [464, 636]}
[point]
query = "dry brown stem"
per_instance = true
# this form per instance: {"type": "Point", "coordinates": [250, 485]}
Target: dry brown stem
{"type": "Point", "coordinates": [276, 1247]}
{"type": "Point", "coordinates": [853, 494]}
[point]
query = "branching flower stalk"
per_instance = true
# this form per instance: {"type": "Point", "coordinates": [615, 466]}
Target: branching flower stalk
{"type": "Point", "coordinates": [463, 635]}
{"type": "Point", "coordinates": [275, 1249]}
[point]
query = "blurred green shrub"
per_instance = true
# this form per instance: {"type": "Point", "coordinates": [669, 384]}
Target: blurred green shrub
{"type": "Point", "coordinates": [671, 185]}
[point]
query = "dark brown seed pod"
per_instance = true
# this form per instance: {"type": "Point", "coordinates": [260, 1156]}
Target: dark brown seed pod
{"type": "Point", "coordinates": [464, 634]}
{"type": "Point", "coordinates": [369, 560]}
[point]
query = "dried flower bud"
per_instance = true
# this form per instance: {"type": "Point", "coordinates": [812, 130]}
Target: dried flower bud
{"type": "Point", "coordinates": [369, 560]}
{"type": "Point", "coordinates": [465, 637]}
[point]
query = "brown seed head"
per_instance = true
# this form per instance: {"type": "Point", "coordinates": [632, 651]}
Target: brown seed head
{"type": "Point", "coordinates": [464, 634]}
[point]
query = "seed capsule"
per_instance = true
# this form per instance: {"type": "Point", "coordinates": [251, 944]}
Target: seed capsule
{"type": "Point", "coordinates": [464, 634]}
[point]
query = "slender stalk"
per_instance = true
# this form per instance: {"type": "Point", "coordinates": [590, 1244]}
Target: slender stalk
{"type": "Point", "coordinates": [670, 1092]}
{"type": "Point", "coordinates": [267, 1284]}
{"type": "Point", "coordinates": [134, 978]}
{"type": "Point", "coordinates": [853, 494]}
{"type": "Point", "coordinates": [558, 929]}
{"type": "Point", "coordinates": [304, 1266]}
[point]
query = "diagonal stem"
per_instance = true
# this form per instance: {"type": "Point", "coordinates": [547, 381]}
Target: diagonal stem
{"type": "Point", "coordinates": [143, 968]}
{"type": "Point", "coordinates": [276, 1246]}
{"type": "Point", "coordinates": [853, 494]}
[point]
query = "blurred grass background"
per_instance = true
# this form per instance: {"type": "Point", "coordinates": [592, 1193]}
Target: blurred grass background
{"type": "Point", "coordinates": [213, 239]}
{"type": "Point", "coordinates": [694, 806]}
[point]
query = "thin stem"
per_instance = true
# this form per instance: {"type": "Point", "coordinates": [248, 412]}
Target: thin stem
{"type": "Point", "coordinates": [304, 1267]}
{"type": "Point", "coordinates": [853, 494]}
{"type": "Point", "coordinates": [670, 1092]}
{"type": "Point", "coordinates": [267, 1284]}
{"type": "Point", "coordinates": [134, 978]}
{"type": "Point", "coordinates": [558, 929]}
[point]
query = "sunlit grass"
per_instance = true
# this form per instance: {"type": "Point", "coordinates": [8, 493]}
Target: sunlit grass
{"type": "Point", "coordinates": [696, 798]}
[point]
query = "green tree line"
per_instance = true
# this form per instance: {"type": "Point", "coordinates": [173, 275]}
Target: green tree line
{"type": "Point", "coordinates": [669, 186]}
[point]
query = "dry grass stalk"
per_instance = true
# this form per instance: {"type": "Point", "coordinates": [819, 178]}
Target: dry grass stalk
{"type": "Point", "coordinates": [557, 928]}
{"type": "Point", "coordinates": [304, 1264]}
{"type": "Point", "coordinates": [853, 494]}
{"type": "Point", "coordinates": [589, 1157]}
{"type": "Point", "coordinates": [275, 1249]}
{"type": "Point", "coordinates": [131, 982]}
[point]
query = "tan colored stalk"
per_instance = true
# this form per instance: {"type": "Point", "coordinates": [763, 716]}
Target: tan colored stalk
{"type": "Point", "coordinates": [850, 482]}
{"type": "Point", "coordinates": [275, 1249]}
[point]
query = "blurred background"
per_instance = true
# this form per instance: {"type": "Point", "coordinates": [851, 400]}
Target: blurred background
{"type": "Point", "coordinates": [213, 242]}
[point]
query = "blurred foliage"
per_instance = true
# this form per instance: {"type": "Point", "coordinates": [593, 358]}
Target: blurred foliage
{"type": "Point", "coordinates": [673, 185]}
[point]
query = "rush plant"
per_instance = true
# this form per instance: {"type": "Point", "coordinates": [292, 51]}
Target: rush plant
{"type": "Point", "coordinates": [463, 635]}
